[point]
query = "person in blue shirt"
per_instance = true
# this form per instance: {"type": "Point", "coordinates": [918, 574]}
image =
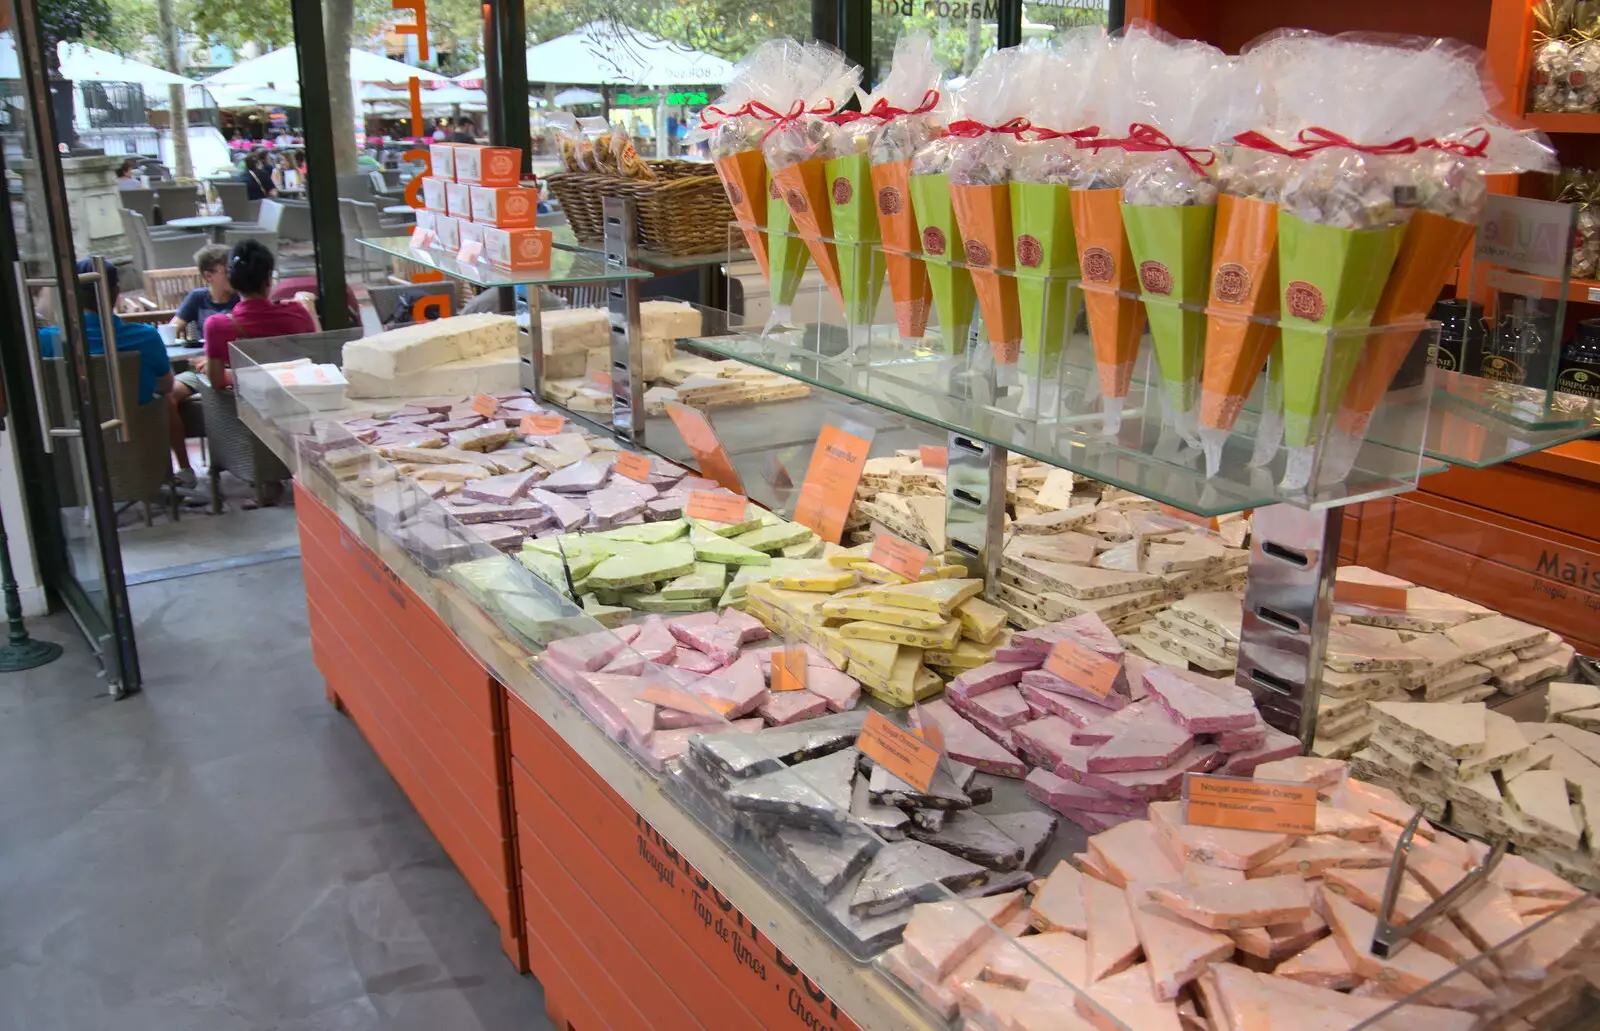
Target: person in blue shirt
{"type": "Point", "coordinates": [155, 371]}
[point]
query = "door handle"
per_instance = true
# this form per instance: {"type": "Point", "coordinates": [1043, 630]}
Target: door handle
{"type": "Point", "coordinates": [108, 347]}
{"type": "Point", "coordinates": [47, 433]}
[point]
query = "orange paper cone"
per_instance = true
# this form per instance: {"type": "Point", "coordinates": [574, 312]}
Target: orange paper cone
{"type": "Point", "coordinates": [984, 215]}
{"type": "Point", "coordinates": [744, 177]}
{"type": "Point", "coordinates": [1116, 322]}
{"type": "Point", "coordinates": [1428, 255]}
{"type": "Point", "coordinates": [1244, 284]}
{"type": "Point", "coordinates": [804, 186]}
{"type": "Point", "coordinates": [908, 276]}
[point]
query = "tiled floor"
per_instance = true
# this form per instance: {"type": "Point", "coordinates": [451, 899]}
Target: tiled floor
{"type": "Point", "coordinates": [224, 851]}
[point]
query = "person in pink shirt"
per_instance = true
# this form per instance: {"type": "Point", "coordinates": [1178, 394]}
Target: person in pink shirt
{"type": "Point", "coordinates": [250, 266]}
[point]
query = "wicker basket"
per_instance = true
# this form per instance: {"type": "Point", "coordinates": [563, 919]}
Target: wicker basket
{"type": "Point", "coordinates": [685, 211]}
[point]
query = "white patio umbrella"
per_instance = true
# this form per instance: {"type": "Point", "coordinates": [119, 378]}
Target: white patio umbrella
{"type": "Point", "coordinates": [454, 94]}
{"type": "Point", "coordinates": [253, 96]}
{"type": "Point", "coordinates": [83, 63]}
{"type": "Point", "coordinates": [282, 65]}
{"type": "Point", "coordinates": [372, 93]}
{"type": "Point", "coordinates": [608, 53]}
{"type": "Point", "coordinates": [577, 96]}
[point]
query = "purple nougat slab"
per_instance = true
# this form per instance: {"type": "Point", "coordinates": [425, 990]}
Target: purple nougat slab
{"type": "Point", "coordinates": [735, 691]}
{"type": "Point", "coordinates": [713, 640]}
{"type": "Point", "coordinates": [1003, 736]}
{"type": "Point", "coordinates": [677, 719]}
{"type": "Point", "coordinates": [500, 490]}
{"type": "Point", "coordinates": [469, 514]}
{"type": "Point", "coordinates": [782, 707]}
{"type": "Point", "coordinates": [667, 745]}
{"type": "Point", "coordinates": [578, 478]}
{"type": "Point", "coordinates": [695, 619]}
{"type": "Point", "coordinates": [689, 483]}
{"type": "Point", "coordinates": [587, 652]}
{"type": "Point", "coordinates": [1080, 712]}
{"type": "Point", "coordinates": [965, 743]}
{"type": "Point", "coordinates": [1042, 680]}
{"type": "Point", "coordinates": [1005, 707]}
{"type": "Point", "coordinates": [990, 677]}
{"type": "Point", "coordinates": [617, 502]}
{"type": "Point", "coordinates": [465, 422]}
{"type": "Point", "coordinates": [1148, 746]}
{"type": "Point", "coordinates": [1043, 741]}
{"type": "Point", "coordinates": [564, 510]}
{"type": "Point", "coordinates": [420, 418]}
{"type": "Point", "coordinates": [622, 693]}
{"type": "Point", "coordinates": [628, 663]}
{"type": "Point", "coordinates": [667, 506]}
{"type": "Point", "coordinates": [1061, 794]}
{"type": "Point", "coordinates": [1242, 740]}
{"type": "Point", "coordinates": [1030, 651]}
{"type": "Point", "coordinates": [840, 690]}
{"type": "Point", "coordinates": [1151, 785]}
{"type": "Point", "coordinates": [499, 536]}
{"type": "Point", "coordinates": [1104, 730]}
{"type": "Point", "coordinates": [655, 642]}
{"type": "Point", "coordinates": [747, 627]}
{"type": "Point", "coordinates": [1194, 708]}
{"type": "Point", "coordinates": [1278, 746]}
{"type": "Point", "coordinates": [694, 662]}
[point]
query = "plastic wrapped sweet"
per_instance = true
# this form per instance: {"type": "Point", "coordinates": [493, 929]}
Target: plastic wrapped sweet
{"type": "Point", "coordinates": [569, 141]}
{"type": "Point", "coordinates": [1552, 65]}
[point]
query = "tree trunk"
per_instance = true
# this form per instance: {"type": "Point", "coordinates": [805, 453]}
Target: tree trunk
{"type": "Point", "coordinates": [178, 98]}
{"type": "Point", "coordinates": [338, 17]}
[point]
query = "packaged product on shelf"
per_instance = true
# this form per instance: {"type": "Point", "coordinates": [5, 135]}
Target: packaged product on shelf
{"type": "Point", "coordinates": [1581, 186]}
{"type": "Point", "coordinates": [911, 108]}
{"type": "Point", "coordinates": [1110, 277]}
{"type": "Point", "coordinates": [796, 148]}
{"type": "Point", "coordinates": [1565, 70]}
{"type": "Point", "coordinates": [1041, 209]}
{"type": "Point", "coordinates": [940, 239]}
{"type": "Point", "coordinates": [1191, 97]}
{"type": "Point", "coordinates": [854, 213]}
{"type": "Point", "coordinates": [441, 161]}
{"type": "Point", "coordinates": [982, 148]}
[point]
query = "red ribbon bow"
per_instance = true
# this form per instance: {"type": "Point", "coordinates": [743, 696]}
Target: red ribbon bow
{"type": "Point", "coordinates": [1318, 138]}
{"type": "Point", "coordinates": [968, 129]}
{"type": "Point", "coordinates": [1474, 144]}
{"type": "Point", "coordinates": [1147, 138]}
{"type": "Point", "coordinates": [1082, 137]}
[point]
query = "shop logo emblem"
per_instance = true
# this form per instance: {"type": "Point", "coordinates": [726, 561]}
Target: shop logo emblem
{"type": "Point", "coordinates": [1304, 301]}
{"type": "Point", "coordinates": [889, 202]}
{"type": "Point", "coordinates": [772, 190]}
{"type": "Point", "coordinates": [1030, 253]}
{"type": "Point", "coordinates": [933, 240]}
{"type": "Point", "coordinates": [1441, 359]}
{"type": "Point", "coordinates": [1502, 370]}
{"type": "Point", "coordinates": [796, 201]}
{"type": "Point", "coordinates": [977, 253]}
{"type": "Point", "coordinates": [735, 195]}
{"type": "Point", "coordinates": [842, 190]}
{"type": "Point", "coordinates": [1155, 277]}
{"type": "Point", "coordinates": [1098, 265]}
{"type": "Point", "coordinates": [1231, 284]}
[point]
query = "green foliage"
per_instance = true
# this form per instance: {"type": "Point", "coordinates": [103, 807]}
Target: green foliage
{"type": "Point", "coordinates": [130, 23]}
{"type": "Point", "coordinates": [727, 28]}
{"type": "Point", "coordinates": [73, 20]}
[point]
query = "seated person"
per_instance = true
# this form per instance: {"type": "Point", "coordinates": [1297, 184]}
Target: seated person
{"type": "Point", "coordinates": [250, 267]}
{"type": "Point", "coordinates": [128, 175]}
{"type": "Point", "coordinates": [215, 297]}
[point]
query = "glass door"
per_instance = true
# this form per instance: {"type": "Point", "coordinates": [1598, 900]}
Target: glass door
{"type": "Point", "coordinates": [75, 413]}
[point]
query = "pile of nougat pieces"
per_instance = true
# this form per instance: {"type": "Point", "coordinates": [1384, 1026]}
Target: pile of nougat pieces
{"type": "Point", "coordinates": [1437, 649]}
{"type": "Point", "coordinates": [1162, 925]}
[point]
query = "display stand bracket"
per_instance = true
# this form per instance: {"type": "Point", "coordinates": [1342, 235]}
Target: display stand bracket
{"type": "Point", "coordinates": [975, 506]}
{"type": "Point", "coordinates": [622, 305]}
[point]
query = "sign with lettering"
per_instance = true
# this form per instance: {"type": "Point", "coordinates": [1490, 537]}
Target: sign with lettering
{"type": "Point", "coordinates": [1370, 596]}
{"type": "Point", "coordinates": [600, 378]}
{"type": "Point", "coordinates": [485, 405]}
{"type": "Point", "coordinates": [634, 467]}
{"type": "Point", "coordinates": [899, 556]}
{"type": "Point", "coordinates": [789, 669]}
{"type": "Point", "coordinates": [1239, 803]}
{"type": "Point", "coordinates": [718, 508]}
{"type": "Point", "coordinates": [1533, 236]}
{"type": "Point", "coordinates": [1088, 669]}
{"type": "Point", "coordinates": [830, 484]}
{"type": "Point", "coordinates": [903, 753]}
{"type": "Point", "coordinates": [540, 425]}
{"type": "Point", "coordinates": [934, 457]}
{"type": "Point", "coordinates": [704, 444]}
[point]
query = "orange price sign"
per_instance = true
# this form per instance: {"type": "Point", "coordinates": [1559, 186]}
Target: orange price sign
{"type": "Point", "coordinates": [902, 752]}
{"type": "Point", "coordinates": [1371, 596]}
{"type": "Point", "coordinates": [1088, 669]}
{"type": "Point", "coordinates": [674, 698]}
{"type": "Point", "coordinates": [704, 444]}
{"type": "Point", "coordinates": [634, 467]}
{"type": "Point", "coordinates": [929, 730]}
{"type": "Point", "coordinates": [540, 425]}
{"type": "Point", "coordinates": [899, 556]}
{"type": "Point", "coordinates": [830, 485]}
{"type": "Point", "coordinates": [485, 405]}
{"type": "Point", "coordinates": [1208, 522]}
{"type": "Point", "coordinates": [935, 457]}
{"type": "Point", "coordinates": [719, 508]}
{"type": "Point", "coordinates": [789, 669]}
{"type": "Point", "coordinates": [1242, 804]}
{"type": "Point", "coordinates": [600, 379]}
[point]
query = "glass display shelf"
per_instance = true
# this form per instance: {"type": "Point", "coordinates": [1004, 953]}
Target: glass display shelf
{"type": "Point", "coordinates": [567, 268]}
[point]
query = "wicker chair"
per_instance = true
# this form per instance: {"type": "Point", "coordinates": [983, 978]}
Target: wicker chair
{"type": "Point", "coordinates": [236, 202]}
{"type": "Point", "coordinates": [167, 287]}
{"type": "Point", "coordinates": [140, 470]}
{"type": "Point", "coordinates": [180, 201]}
{"type": "Point", "coordinates": [233, 446]}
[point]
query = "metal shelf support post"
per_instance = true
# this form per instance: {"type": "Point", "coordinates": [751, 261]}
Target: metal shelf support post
{"type": "Point", "coordinates": [622, 304]}
{"type": "Point", "coordinates": [975, 505]}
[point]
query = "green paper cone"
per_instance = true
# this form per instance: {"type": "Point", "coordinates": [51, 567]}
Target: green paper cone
{"type": "Point", "coordinates": [953, 295]}
{"type": "Point", "coordinates": [855, 228]}
{"type": "Point", "coordinates": [1047, 258]}
{"type": "Point", "coordinates": [1172, 247]}
{"type": "Point", "coordinates": [786, 255]}
{"type": "Point", "coordinates": [1330, 278]}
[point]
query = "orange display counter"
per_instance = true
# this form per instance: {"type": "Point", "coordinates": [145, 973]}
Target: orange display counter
{"type": "Point", "coordinates": [620, 929]}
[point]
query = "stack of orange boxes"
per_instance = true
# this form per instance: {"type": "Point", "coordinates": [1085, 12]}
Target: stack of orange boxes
{"type": "Point", "coordinates": [474, 195]}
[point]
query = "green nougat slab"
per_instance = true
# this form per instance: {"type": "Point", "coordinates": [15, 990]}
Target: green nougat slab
{"type": "Point", "coordinates": [786, 255]}
{"type": "Point", "coordinates": [1047, 259]}
{"type": "Point", "coordinates": [708, 547]}
{"type": "Point", "coordinates": [1178, 238]}
{"type": "Point", "coordinates": [855, 229]}
{"type": "Point", "coordinates": [646, 533]}
{"type": "Point", "coordinates": [953, 296]}
{"type": "Point", "coordinates": [774, 537]}
{"type": "Point", "coordinates": [1343, 271]}
{"type": "Point", "coordinates": [708, 580]}
{"type": "Point", "coordinates": [643, 566]}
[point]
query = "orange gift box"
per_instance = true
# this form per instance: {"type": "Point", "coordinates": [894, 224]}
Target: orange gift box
{"type": "Point", "coordinates": [525, 250]}
{"type": "Point", "coordinates": [509, 207]}
{"type": "Point", "coordinates": [488, 166]}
